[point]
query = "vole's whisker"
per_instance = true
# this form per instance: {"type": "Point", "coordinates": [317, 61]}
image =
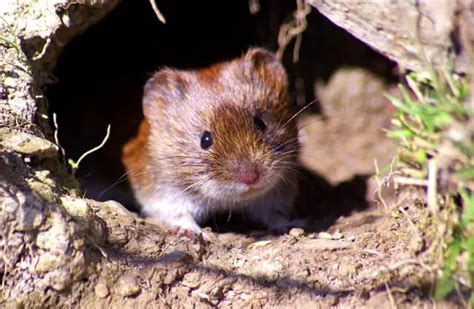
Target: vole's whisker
{"type": "Point", "coordinates": [298, 113]}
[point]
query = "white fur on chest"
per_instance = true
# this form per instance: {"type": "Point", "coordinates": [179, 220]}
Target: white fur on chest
{"type": "Point", "coordinates": [176, 209]}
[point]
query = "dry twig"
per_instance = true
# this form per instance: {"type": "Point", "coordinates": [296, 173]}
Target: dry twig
{"type": "Point", "coordinates": [159, 15]}
{"type": "Point", "coordinates": [294, 29]}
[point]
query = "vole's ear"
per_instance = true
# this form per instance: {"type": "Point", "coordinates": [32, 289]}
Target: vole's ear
{"type": "Point", "coordinates": [265, 65]}
{"type": "Point", "coordinates": [164, 87]}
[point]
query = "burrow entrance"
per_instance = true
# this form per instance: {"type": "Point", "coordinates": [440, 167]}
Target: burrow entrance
{"type": "Point", "coordinates": [101, 73]}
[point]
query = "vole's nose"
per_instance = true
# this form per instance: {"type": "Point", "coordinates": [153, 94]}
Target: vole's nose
{"type": "Point", "coordinates": [248, 174]}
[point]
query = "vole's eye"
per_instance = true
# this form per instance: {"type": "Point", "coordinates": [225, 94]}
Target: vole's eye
{"type": "Point", "coordinates": [206, 140]}
{"type": "Point", "coordinates": [259, 124]}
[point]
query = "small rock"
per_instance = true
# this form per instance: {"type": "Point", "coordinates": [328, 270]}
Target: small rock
{"type": "Point", "coordinates": [259, 244]}
{"type": "Point", "coordinates": [29, 215]}
{"type": "Point", "coordinates": [116, 209]}
{"type": "Point", "coordinates": [202, 295]}
{"type": "Point", "coordinates": [42, 189]}
{"type": "Point", "coordinates": [101, 290]}
{"type": "Point", "coordinates": [324, 235]}
{"type": "Point", "coordinates": [296, 232]}
{"type": "Point", "coordinates": [48, 261]}
{"type": "Point", "coordinates": [337, 235]}
{"type": "Point", "coordinates": [56, 237]}
{"type": "Point", "coordinates": [226, 283]}
{"type": "Point", "coordinates": [27, 144]}
{"type": "Point", "coordinates": [128, 286]}
{"type": "Point", "coordinates": [192, 280]}
{"type": "Point", "coordinates": [58, 279]}
{"type": "Point", "coordinates": [76, 207]}
{"type": "Point", "coordinates": [173, 274]}
{"type": "Point", "coordinates": [9, 206]}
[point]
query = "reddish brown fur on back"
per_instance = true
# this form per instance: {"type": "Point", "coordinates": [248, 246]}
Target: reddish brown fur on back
{"type": "Point", "coordinates": [209, 75]}
{"type": "Point", "coordinates": [135, 157]}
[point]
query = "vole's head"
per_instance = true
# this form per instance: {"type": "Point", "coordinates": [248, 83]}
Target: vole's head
{"type": "Point", "coordinates": [225, 132]}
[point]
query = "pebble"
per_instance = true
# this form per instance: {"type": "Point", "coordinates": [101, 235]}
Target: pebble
{"type": "Point", "coordinates": [324, 235]}
{"type": "Point", "coordinates": [296, 232]}
{"type": "Point", "coordinates": [128, 286]}
{"type": "Point", "coordinates": [101, 290]}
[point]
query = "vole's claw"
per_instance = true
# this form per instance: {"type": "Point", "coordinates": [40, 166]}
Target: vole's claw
{"type": "Point", "coordinates": [192, 235]}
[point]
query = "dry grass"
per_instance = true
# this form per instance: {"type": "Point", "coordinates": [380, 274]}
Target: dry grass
{"type": "Point", "coordinates": [432, 127]}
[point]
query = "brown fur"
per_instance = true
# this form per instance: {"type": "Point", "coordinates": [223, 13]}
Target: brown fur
{"type": "Point", "coordinates": [223, 99]}
{"type": "Point", "coordinates": [135, 157]}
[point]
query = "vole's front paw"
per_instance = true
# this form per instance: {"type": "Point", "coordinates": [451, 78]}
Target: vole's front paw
{"type": "Point", "coordinates": [195, 235]}
{"type": "Point", "coordinates": [182, 225]}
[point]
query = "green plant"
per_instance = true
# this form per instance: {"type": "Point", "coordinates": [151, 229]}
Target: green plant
{"type": "Point", "coordinates": [434, 127]}
{"type": "Point", "coordinates": [75, 164]}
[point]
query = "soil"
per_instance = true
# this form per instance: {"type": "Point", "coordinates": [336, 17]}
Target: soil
{"type": "Point", "coordinates": [366, 259]}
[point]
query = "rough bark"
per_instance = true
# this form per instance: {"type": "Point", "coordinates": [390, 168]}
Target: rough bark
{"type": "Point", "coordinates": [404, 30]}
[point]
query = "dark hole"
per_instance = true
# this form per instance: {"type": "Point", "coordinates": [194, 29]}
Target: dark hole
{"type": "Point", "coordinates": [102, 72]}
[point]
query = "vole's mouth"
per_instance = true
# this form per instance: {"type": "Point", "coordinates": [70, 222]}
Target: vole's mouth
{"type": "Point", "coordinates": [251, 192]}
{"type": "Point", "coordinates": [236, 192]}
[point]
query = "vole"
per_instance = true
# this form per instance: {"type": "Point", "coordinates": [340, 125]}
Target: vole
{"type": "Point", "coordinates": [218, 139]}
